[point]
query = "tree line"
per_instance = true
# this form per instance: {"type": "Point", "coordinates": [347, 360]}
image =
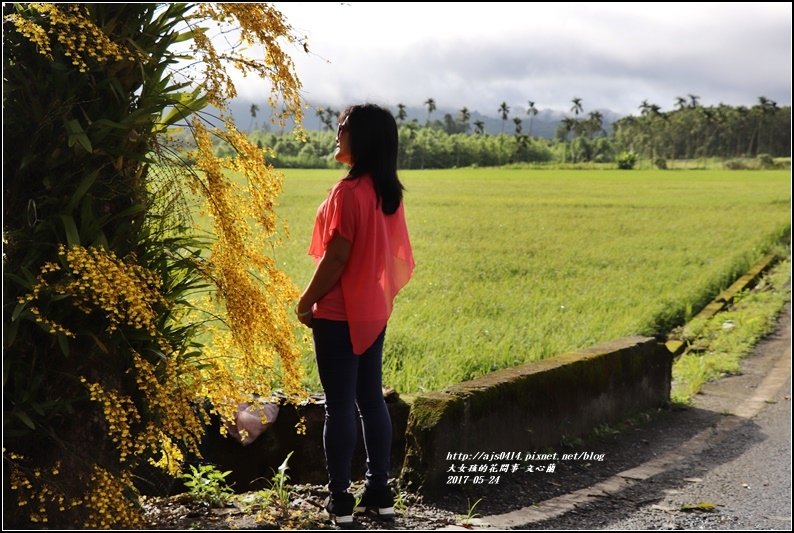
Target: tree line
{"type": "Point", "coordinates": [694, 131]}
{"type": "Point", "coordinates": [690, 131]}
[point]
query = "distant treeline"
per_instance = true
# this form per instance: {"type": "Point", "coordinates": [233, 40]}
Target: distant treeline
{"type": "Point", "coordinates": [693, 131]}
{"type": "Point", "coordinates": [420, 147]}
{"type": "Point", "coordinates": [689, 132]}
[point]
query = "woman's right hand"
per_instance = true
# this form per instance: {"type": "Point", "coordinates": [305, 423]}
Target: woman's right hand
{"type": "Point", "coordinates": [306, 320]}
{"type": "Point", "coordinates": [305, 316]}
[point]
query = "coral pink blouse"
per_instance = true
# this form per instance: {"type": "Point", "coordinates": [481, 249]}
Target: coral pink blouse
{"type": "Point", "coordinates": [380, 263]}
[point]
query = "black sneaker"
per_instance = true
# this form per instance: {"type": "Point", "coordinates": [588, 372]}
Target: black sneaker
{"type": "Point", "coordinates": [380, 500]}
{"type": "Point", "coordinates": [339, 506]}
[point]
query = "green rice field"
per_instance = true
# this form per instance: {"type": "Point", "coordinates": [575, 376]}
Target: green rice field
{"type": "Point", "coordinates": [517, 265]}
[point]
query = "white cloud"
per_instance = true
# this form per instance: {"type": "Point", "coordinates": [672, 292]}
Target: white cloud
{"type": "Point", "coordinates": [611, 55]}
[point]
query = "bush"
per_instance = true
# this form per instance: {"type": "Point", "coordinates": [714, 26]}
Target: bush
{"type": "Point", "coordinates": [660, 163]}
{"type": "Point", "coordinates": [761, 162]}
{"type": "Point", "coordinates": [208, 484]}
{"type": "Point", "coordinates": [736, 164]}
{"type": "Point", "coordinates": [627, 160]}
{"type": "Point", "coordinates": [765, 161]}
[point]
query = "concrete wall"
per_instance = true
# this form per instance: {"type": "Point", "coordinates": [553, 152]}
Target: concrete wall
{"type": "Point", "coordinates": [533, 406]}
{"type": "Point", "coordinates": [725, 298]}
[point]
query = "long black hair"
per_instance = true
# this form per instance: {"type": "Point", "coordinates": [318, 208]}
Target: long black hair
{"type": "Point", "coordinates": [373, 150]}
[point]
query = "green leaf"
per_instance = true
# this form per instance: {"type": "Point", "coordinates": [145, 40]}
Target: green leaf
{"type": "Point", "coordinates": [184, 105]}
{"type": "Point", "coordinates": [72, 235]}
{"type": "Point", "coordinates": [63, 343]}
{"type": "Point", "coordinates": [18, 310]}
{"type": "Point", "coordinates": [99, 343]}
{"type": "Point", "coordinates": [184, 36]}
{"type": "Point", "coordinates": [76, 135]}
{"type": "Point", "coordinates": [85, 184]}
{"type": "Point", "coordinates": [23, 416]}
{"type": "Point", "coordinates": [10, 334]}
{"type": "Point", "coordinates": [88, 224]}
{"type": "Point", "coordinates": [158, 354]}
{"type": "Point", "coordinates": [101, 241]}
{"type": "Point", "coordinates": [26, 282]}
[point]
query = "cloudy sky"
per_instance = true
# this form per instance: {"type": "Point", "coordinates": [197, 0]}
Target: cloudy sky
{"type": "Point", "coordinates": [611, 55]}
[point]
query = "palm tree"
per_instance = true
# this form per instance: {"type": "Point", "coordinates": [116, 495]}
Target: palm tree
{"type": "Point", "coordinates": [522, 143]}
{"type": "Point", "coordinates": [576, 108]}
{"type": "Point", "coordinates": [595, 122]}
{"type": "Point", "coordinates": [465, 116]}
{"type": "Point", "coordinates": [685, 123]}
{"type": "Point", "coordinates": [566, 124]}
{"type": "Point", "coordinates": [450, 124]}
{"type": "Point", "coordinates": [479, 127]}
{"type": "Point", "coordinates": [649, 111]}
{"type": "Point", "coordinates": [401, 114]}
{"type": "Point", "coordinates": [254, 109]}
{"type": "Point", "coordinates": [517, 122]}
{"type": "Point", "coordinates": [431, 106]}
{"type": "Point", "coordinates": [766, 103]}
{"type": "Point", "coordinates": [504, 111]}
{"type": "Point", "coordinates": [726, 118]}
{"type": "Point", "coordinates": [744, 119]}
{"type": "Point", "coordinates": [531, 111]}
{"type": "Point", "coordinates": [762, 111]}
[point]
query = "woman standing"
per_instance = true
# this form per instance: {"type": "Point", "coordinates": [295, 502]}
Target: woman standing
{"type": "Point", "coordinates": [360, 242]}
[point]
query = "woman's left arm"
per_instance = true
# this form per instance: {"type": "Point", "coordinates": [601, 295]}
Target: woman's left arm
{"type": "Point", "coordinates": [328, 272]}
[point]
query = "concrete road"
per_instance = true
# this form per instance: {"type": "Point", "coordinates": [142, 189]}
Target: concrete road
{"type": "Point", "coordinates": [724, 463]}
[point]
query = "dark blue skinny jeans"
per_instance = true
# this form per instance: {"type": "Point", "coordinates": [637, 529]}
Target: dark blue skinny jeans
{"type": "Point", "coordinates": [352, 382]}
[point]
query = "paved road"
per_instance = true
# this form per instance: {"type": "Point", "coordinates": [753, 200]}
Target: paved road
{"type": "Point", "coordinates": [732, 454]}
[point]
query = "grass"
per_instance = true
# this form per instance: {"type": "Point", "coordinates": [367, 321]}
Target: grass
{"type": "Point", "coordinates": [717, 345]}
{"type": "Point", "coordinates": [518, 265]}
{"type": "Point", "coordinates": [470, 515]}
